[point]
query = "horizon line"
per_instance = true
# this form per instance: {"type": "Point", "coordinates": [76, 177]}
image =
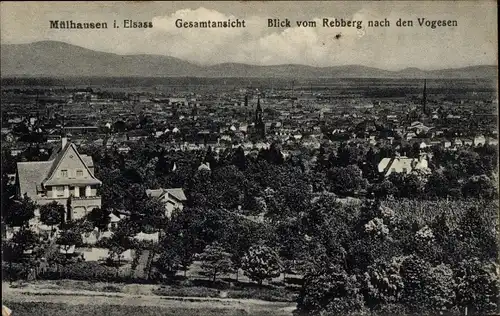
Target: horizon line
{"type": "Point", "coordinates": [256, 65]}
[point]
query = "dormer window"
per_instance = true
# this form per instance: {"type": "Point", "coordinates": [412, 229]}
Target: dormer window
{"type": "Point", "coordinates": [64, 173]}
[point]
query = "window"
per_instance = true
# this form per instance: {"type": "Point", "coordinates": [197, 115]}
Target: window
{"type": "Point", "coordinates": [59, 191]}
{"type": "Point", "coordinates": [79, 173]}
{"type": "Point", "coordinates": [64, 173]}
{"type": "Point", "coordinates": [405, 170]}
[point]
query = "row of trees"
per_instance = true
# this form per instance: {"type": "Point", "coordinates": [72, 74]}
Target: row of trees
{"type": "Point", "coordinates": [384, 263]}
{"type": "Point", "coordinates": [353, 256]}
{"type": "Point", "coordinates": [346, 171]}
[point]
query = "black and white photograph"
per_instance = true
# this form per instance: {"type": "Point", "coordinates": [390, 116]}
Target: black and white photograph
{"type": "Point", "coordinates": [267, 158]}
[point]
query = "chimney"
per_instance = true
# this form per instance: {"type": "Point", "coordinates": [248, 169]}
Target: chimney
{"type": "Point", "coordinates": [64, 141]}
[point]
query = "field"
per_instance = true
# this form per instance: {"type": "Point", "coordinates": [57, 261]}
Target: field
{"type": "Point", "coordinates": [424, 212]}
{"type": "Point", "coordinates": [51, 299]}
{"type": "Point", "coordinates": [61, 309]}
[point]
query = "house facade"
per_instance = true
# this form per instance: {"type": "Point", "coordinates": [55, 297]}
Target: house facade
{"type": "Point", "coordinates": [67, 178]}
{"type": "Point", "coordinates": [173, 198]}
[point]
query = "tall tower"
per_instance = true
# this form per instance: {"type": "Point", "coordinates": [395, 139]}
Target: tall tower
{"type": "Point", "coordinates": [260, 127]}
{"type": "Point", "coordinates": [63, 116]}
{"type": "Point", "coordinates": [258, 112]}
{"type": "Point", "coordinates": [424, 98]}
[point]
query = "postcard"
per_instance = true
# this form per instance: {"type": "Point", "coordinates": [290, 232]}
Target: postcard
{"type": "Point", "coordinates": [249, 157]}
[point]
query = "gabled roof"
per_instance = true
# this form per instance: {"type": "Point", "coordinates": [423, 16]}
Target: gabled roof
{"type": "Point", "coordinates": [57, 161]}
{"type": "Point", "coordinates": [204, 166]}
{"type": "Point", "coordinates": [113, 218]}
{"type": "Point", "coordinates": [384, 164]}
{"type": "Point", "coordinates": [32, 174]}
{"type": "Point", "coordinates": [56, 157]}
{"type": "Point", "coordinates": [155, 192]}
{"type": "Point", "coordinates": [397, 162]}
{"type": "Point", "coordinates": [176, 193]}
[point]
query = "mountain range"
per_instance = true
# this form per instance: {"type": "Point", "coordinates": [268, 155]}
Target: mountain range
{"type": "Point", "coordinates": [58, 59]}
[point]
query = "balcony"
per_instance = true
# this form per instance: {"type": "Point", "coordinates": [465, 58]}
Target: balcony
{"type": "Point", "coordinates": [86, 197]}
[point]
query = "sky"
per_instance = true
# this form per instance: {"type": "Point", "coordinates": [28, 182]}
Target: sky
{"type": "Point", "coordinates": [472, 42]}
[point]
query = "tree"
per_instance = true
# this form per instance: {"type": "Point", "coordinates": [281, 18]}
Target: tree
{"type": "Point", "coordinates": [346, 180]}
{"type": "Point", "coordinates": [331, 291]}
{"type": "Point", "coordinates": [100, 218]}
{"type": "Point", "coordinates": [414, 272]}
{"type": "Point", "coordinates": [291, 240]}
{"type": "Point", "coordinates": [151, 213]}
{"type": "Point", "coordinates": [11, 253]}
{"type": "Point", "coordinates": [440, 289]}
{"type": "Point", "coordinates": [382, 283]}
{"type": "Point", "coordinates": [68, 238]}
{"type": "Point", "coordinates": [216, 260]}
{"type": "Point", "coordinates": [479, 187]}
{"type": "Point", "coordinates": [239, 159]}
{"type": "Point", "coordinates": [469, 162]}
{"type": "Point", "coordinates": [169, 262]}
{"type": "Point", "coordinates": [349, 155]}
{"type": "Point", "coordinates": [477, 286]}
{"type": "Point", "coordinates": [239, 235]}
{"type": "Point", "coordinates": [21, 212]}
{"type": "Point", "coordinates": [437, 184]}
{"type": "Point", "coordinates": [210, 158]}
{"type": "Point", "coordinates": [118, 243]}
{"type": "Point", "coordinates": [476, 235]}
{"type": "Point", "coordinates": [52, 214]}
{"type": "Point", "coordinates": [272, 155]}
{"type": "Point", "coordinates": [413, 186]}
{"type": "Point", "coordinates": [24, 240]}
{"type": "Point", "coordinates": [261, 263]}
{"type": "Point", "coordinates": [384, 189]}
{"type": "Point", "coordinates": [181, 236]}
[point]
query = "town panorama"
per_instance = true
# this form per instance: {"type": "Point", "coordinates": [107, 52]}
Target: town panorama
{"type": "Point", "coordinates": [249, 158]}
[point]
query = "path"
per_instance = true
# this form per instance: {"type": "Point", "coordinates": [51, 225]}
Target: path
{"type": "Point", "coordinates": [140, 270]}
{"type": "Point", "coordinates": [81, 297]}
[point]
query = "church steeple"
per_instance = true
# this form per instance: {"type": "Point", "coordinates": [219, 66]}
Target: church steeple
{"type": "Point", "coordinates": [424, 98]}
{"type": "Point", "coordinates": [260, 127]}
{"type": "Point", "coordinates": [258, 112]}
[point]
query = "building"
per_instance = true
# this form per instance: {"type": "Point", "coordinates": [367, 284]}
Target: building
{"type": "Point", "coordinates": [479, 140]}
{"type": "Point", "coordinates": [67, 178]}
{"type": "Point", "coordinates": [403, 165]}
{"type": "Point", "coordinates": [260, 126]}
{"type": "Point", "coordinates": [173, 198]}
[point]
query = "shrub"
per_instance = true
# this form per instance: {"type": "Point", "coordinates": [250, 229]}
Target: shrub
{"type": "Point", "coordinates": [86, 271]}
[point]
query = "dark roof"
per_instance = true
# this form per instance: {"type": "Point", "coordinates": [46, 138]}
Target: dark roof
{"type": "Point", "coordinates": [31, 175]}
{"type": "Point", "coordinates": [176, 193]}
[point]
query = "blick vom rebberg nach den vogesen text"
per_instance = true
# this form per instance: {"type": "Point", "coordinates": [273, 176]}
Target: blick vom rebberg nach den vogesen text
{"type": "Point", "coordinates": [241, 23]}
